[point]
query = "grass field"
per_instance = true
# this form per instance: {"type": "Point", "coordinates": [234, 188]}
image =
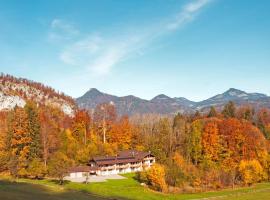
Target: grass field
{"type": "Point", "coordinates": [115, 189]}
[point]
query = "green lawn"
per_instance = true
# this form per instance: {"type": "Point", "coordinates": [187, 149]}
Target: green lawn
{"type": "Point", "coordinates": [28, 191]}
{"type": "Point", "coordinates": [116, 189]}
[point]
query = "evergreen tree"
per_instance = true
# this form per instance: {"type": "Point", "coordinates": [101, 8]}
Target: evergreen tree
{"type": "Point", "coordinates": [34, 130]}
{"type": "Point", "coordinates": [229, 110]}
{"type": "Point", "coordinates": [212, 112]}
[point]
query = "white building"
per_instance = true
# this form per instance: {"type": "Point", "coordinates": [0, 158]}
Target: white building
{"type": "Point", "coordinates": [125, 162]}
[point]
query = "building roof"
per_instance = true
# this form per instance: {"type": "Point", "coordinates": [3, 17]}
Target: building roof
{"type": "Point", "coordinates": [123, 157]}
{"type": "Point", "coordinates": [83, 169]}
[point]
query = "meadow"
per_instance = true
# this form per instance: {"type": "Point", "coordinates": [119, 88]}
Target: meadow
{"type": "Point", "coordinates": [24, 189]}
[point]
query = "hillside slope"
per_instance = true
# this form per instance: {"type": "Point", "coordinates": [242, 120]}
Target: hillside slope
{"type": "Point", "coordinates": [16, 91]}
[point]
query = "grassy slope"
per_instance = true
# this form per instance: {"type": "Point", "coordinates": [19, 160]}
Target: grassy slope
{"type": "Point", "coordinates": [27, 191]}
{"type": "Point", "coordinates": [118, 189]}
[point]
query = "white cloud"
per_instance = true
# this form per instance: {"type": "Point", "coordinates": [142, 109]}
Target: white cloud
{"type": "Point", "coordinates": [99, 54]}
{"type": "Point", "coordinates": [62, 30]}
{"type": "Point", "coordinates": [195, 6]}
{"type": "Point", "coordinates": [187, 13]}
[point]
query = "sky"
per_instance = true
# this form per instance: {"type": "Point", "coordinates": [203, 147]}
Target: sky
{"type": "Point", "coordinates": [181, 48]}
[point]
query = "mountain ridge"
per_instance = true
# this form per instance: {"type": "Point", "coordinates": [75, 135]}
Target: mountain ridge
{"type": "Point", "coordinates": [16, 91]}
{"type": "Point", "coordinates": [163, 104]}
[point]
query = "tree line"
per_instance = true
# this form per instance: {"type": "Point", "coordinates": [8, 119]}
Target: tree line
{"type": "Point", "coordinates": [194, 152]}
{"type": "Point", "coordinates": [208, 151]}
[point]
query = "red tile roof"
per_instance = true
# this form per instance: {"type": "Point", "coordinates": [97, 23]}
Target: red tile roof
{"type": "Point", "coordinates": [123, 157]}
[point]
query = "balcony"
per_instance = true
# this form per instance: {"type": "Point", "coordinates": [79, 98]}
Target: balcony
{"type": "Point", "coordinates": [122, 166]}
{"type": "Point", "coordinates": [108, 167]}
{"type": "Point", "coordinates": [135, 165]}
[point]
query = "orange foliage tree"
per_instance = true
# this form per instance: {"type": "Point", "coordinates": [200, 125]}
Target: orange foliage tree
{"type": "Point", "coordinates": [121, 133]}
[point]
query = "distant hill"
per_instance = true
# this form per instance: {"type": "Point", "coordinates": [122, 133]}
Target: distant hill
{"type": "Point", "coordinates": [163, 104]}
{"type": "Point", "coordinates": [16, 91]}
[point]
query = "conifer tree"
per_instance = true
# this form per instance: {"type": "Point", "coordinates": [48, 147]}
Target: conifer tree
{"type": "Point", "coordinates": [212, 112]}
{"type": "Point", "coordinates": [229, 110]}
{"type": "Point", "coordinates": [34, 130]}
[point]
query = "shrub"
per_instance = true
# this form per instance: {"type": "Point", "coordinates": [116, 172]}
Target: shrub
{"type": "Point", "coordinates": [59, 165]}
{"type": "Point", "coordinates": [36, 169]}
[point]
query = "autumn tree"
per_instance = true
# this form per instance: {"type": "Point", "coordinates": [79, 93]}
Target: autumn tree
{"type": "Point", "coordinates": [104, 116]}
{"type": "Point", "coordinates": [178, 136]}
{"type": "Point", "coordinates": [155, 177]}
{"type": "Point", "coordinates": [179, 171]}
{"type": "Point", "coordinates": [59, 165]}
{"type": "Point", "coordinates": [193, 143]}
{"type": "Point", "coordinates": [158, 142]}
{"type": "Point", "coordinates": [251, 171]}
{"type": "Point", "coordinates": [211, 141]}
{"type": "Point", "coordinates": [81, 126]}
{"type": "Point", "coordinates": [20, 142]}
{"type": "Point", "coordinates": [51, 120]}
{"type": "Point", "coordinates": [254, 143]}
{"type": "Point", "coordinates": [246, 113]}
{"type": "Point", "coordinates": [232, 138]}
{"type": "Point", "coordinates": [3, 140]}
{"type": "Point", "coordinates": [240, 141]}
{"type": "Point", "coordinates": [36, 169]}
{"type": "Point", "coordinates": [263, 122]}
{"type": "Point", "coordinates": [121, 133]}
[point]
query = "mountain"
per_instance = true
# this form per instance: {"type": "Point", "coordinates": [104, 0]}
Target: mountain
{"type": "Point", "coordinates": [163, 104]}
{"type": "Point", "coordinates": [239, 97]}
{"type": "Point", "coordinates": [130, 104]}
{"type": "Point", "coordinates": [16, 91]}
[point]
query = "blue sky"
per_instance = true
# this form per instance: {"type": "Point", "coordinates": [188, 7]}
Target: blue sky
{"type": "Point", "coordinates": [189, 48]}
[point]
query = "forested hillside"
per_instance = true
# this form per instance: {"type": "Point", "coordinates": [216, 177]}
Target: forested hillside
{"type": "Point", "coordinates": [198, 151]}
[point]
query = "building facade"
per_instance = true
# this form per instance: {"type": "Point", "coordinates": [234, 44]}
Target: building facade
{"type": "Point", "coordinates": [125, 162]}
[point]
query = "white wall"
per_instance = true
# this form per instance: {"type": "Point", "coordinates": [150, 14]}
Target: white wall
{"type": "Point", "coordinates": [76, 174]}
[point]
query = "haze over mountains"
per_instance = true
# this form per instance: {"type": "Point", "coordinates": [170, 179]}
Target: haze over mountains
{"type": "Point", "coordinates": [163, 104]}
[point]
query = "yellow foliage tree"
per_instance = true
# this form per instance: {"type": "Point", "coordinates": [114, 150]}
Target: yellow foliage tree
{"type": "Point", "coordinates": [20, 142]}
{"type": "Point", "coordinates": [251, 171]}
{"type": "Point", "coordinates": [156, 177]}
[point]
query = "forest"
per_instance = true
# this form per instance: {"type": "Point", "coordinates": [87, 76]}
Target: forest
{"type": "Point", "coordinates": [194, 152]}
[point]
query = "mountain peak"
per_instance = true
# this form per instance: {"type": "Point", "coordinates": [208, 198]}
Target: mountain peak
{"type": "Point", "coordinates": [161, 97]}
{"type": "Point", "coordinates": [235, 92]}
{"type": "Point", "coordinates": [93, 92]}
